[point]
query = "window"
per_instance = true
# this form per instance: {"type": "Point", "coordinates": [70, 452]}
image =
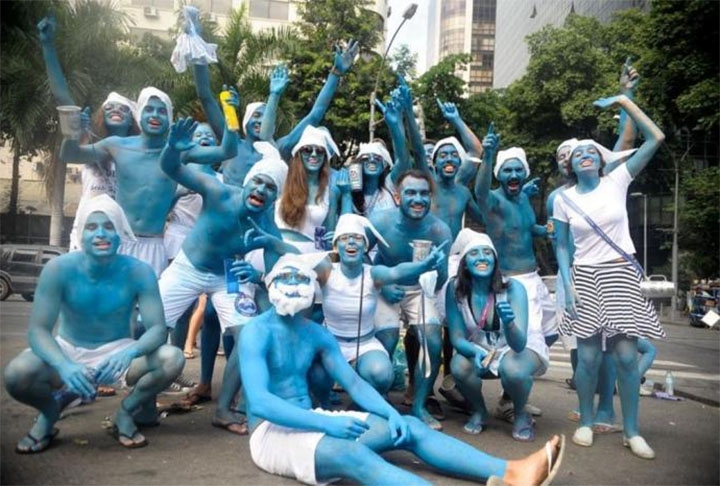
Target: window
{"type": "Point", "coordinates": [24, 256]}
{"type": "Point", "coordinates": [484, 10]}
{"type": "Point", "coordinates": [270, 9]}
{"type": "Point", "coordinates": [452, 7]}
{"type": "Point", "coordinates": [48, 255]}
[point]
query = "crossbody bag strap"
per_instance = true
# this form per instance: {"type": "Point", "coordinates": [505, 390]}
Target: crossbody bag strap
{"type": "Point", "coordinates": [602, 234]}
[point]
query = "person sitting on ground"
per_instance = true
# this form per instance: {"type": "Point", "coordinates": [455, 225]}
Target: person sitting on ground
{"type": "Point", "coordinates": [316, 446]}
{"type": "Point", "coordinates": [488, 323]}
{"type": "Point", "coordinates": [91, 294]}
{"type": "Point", "coordinates": [350, 294]}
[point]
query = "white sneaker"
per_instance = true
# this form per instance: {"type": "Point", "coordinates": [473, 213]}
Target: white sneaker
{"type": "Point", "coordinates": [646, 390]}
{"type": "Point", "coordinates": [583, 436]}
{"type": "Point", "coordinates": [639, 447]}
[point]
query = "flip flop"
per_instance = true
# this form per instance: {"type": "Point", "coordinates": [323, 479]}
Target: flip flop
{"type": "Point", "coordinates": [232, 427]}
{"type": "Point", "coordinates": [524, 432]}
{"type": "Point", "coordinates": [189, 355]}
{"type": "Point", "coordinates": [37, 445]}
{"type": "Point", "coordinates": [134, 441]}
{"type": "Point", "coordinates": [553, 467]}
{"type": "Point", "coordinates": [473, 428]}
{"type": "Point", "coordinates": [606, 428]}
{"type": "Point", "coordinates": [194, 398]}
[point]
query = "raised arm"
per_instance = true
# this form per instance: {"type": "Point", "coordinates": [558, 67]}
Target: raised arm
{"type": "Point", "coordinates": [47, 28]}
{"type": "Point", "coordinates": [483, 180]}
{"type": "Point", "coordinates": [215, 154]}
{"type": "Point", "coordinates": [279, 81]}
{"type": "Point", "coordinates": [654, 137]}
{"type": "Point", "coordinates": [211, 107]}
{"type": "Point", "coordinates": [468, 138]}
{"type": "Point", "coordinates": [627, 132]}
{"type": "Point", "coordinates": [393, 115]}
{"type": "Point", "coordinates": [416, 140]}
{"type": "Point", "coordinates": [340, 201]}
{"type": "Point", "coordinates": [344, 59]}
{"type": "Point", "coordinates": [179, 141]}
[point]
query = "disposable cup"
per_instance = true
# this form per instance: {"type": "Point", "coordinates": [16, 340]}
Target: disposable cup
{"type": "Point", "coordinates": [421, 249]}
{"type": "Point", "coordinates": [69, 121]}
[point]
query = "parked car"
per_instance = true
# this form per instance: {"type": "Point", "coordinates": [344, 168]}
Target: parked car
{"type": "Point", "coordinates": [20, 267]}
{"type": "Point", "coordinates": [704, 301]}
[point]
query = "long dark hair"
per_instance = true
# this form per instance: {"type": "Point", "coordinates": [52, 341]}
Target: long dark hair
{"type": "Point", "coordinates": [358, 197]}
{"type": "Point", "coordinates": [463, 283]}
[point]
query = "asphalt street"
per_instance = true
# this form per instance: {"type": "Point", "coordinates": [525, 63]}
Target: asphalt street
{"type": "Point", "coordinates": [186, 449]}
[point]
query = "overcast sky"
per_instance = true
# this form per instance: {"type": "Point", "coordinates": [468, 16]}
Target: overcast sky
{"type": "Point", "coordinates": [413, 33]}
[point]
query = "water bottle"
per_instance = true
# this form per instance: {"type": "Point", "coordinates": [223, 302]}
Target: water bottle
{"type": "Point", "coordinates": [669, 383]}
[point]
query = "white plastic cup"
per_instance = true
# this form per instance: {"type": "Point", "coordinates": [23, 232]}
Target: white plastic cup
{"type": "Point", "coordinates": [421, 249]}
{"type": "Point", "coordinates": [355, 172]}
{"type": "Point", "coordinates": [70, 121]}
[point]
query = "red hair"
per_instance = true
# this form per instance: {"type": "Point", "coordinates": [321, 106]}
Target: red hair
{"type": "Point", "coordinates": [295, 194]}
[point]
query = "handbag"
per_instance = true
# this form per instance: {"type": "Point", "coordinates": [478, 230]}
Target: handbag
{"type": "Point", "coordinates": [651, 287]}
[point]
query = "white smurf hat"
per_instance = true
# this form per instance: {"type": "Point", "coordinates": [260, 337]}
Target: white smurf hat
{"type": "Point", "coordinates": [349, 224]}
{"type": "Point", "coordinates": [468, 239]}
{"type": "Point", "coordinates": [449, 141]}
{"type": "Point", "coordinates": [274, 168]}
{"type": "Point", "coordinates": [511, 153]}
{"type": "Point", "coordinates": [608, 155]}
{"type": "Point", "coordinates": [375, 148]}
{"type": "Point", "coordinates": [315, 136]}
{"type": "Point", "coordinates": [249, 110]}
{"type": "Point", "coordinates": [105, 204]}
{"type": "Point", "coordinates": [305, 264]}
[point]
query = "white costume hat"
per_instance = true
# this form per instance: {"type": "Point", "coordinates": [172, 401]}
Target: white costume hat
{"type": "Point", "coordinates": [375, 148]}
{"type": "Point", "coordinates": [449, 141]}
{"type": "Point", "coordinates": [304, 263]}
{"type": "Point", "coordinates": [249, 110]}
{"type": "Point", "coordinates": [105, 204]}
{"type": "Point", "coordinates": [570, 142]}
{"type": "Point", "coordinates": [114, 97]}
{"type": "Point", "coordinates": [145, 96]}
{"type": "Point", "coordinates": [315, 136]}
{"type": "Point", "coordinates": [608, 155]}
{"type": "Point", "coordinates": [511, 153]}
{"type": "Point", "coordinates": [267, 150]}
{"type": "Point", "coordinates": [275, 169]}
{"type": "Point", "coordinates": [349, 224]}
{"type": "Point", "coordinates": [468, 239]}
{"type": "Point", "coordinates": [334, 150]}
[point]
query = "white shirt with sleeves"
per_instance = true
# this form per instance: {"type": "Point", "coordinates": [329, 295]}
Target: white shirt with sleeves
{"type": "Point", "coordinates": [606, 205]}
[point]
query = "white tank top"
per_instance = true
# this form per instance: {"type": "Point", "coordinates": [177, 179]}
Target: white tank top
{"type": "Point", "coordinates": [315, 215]}
{"type": "Point", "coordinates": [341, 303]}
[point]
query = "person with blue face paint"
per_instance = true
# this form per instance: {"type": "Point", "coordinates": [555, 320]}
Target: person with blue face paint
{"type": "Point", "coordinates": [350, 287]}
{"type": "Point", "coordinates": [145, 193]}
{"type": "Point", "coordinates": [596, 311]}
{"type": "Point", "coordinates": [91, 294]}
{"type": "Point", "coordinates": [411, 221]}
{"type": "Point", "coordinates": [488, 322]}
{"type": "Point", "coordinates": [308, 201]}
{"type": "Point", "coordinates": [291, 439]}
{"type": "Point", "coordinates": [233, 222]}
{"type": "Point", "coordinates": [115, 118]}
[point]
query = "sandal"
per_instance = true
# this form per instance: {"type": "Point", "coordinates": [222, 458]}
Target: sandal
{"type": "Point", "coordinates": [194, 398]}
{"type": "Point", "coordinates": [134, 441]}
{"type": "Point", "coordinates": [189, 354]}
{"type": "Point", "coordinates": [37, 445]}
{"type": "Point", "coordinates": [524, 430]}
{"type": "Point", "coordinates": [233, 427]}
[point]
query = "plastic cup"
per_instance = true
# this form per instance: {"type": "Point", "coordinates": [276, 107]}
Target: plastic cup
{"type": "Point", "coordinates": [421, 249]}
{"type": "Point", "coordinates": [356, 176]}
{"type": "Point", "coordinates": [70, 121]}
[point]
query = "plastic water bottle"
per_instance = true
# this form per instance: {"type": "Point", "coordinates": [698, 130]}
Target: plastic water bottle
{"type": "Point", "coordinates": [669, 383]}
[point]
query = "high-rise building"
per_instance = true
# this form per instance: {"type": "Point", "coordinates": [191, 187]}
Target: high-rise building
{"type": "Point", "coordinates": [517, 18]}
{"type": "Point", "coordinates": [464, 26]}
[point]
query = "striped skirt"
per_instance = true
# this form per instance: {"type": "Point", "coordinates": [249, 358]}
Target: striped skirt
{"type": "Point", "coordinates": [611, 303]}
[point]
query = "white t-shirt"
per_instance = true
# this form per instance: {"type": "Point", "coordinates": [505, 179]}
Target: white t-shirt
{"type": "Point", "coordinates": [606, 206]}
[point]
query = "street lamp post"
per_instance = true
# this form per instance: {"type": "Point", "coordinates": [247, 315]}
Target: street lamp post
{"type": "Point", "coordinates": [645, 245]}
{"type": "Point", "coordinates": [407, 15]}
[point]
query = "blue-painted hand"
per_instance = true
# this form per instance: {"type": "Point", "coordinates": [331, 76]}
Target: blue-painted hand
{"type": "Point", "coordinates": [345, 427]}
{"type": "Point", "coordinates": [404, 94]}
{"type": "Point", "coordinates": [113, 367]}
{"type": "Point", "coordinates": [344, 58]}
{"type": "Point", "coordinates": [77, 378]}
{"type": "Point", "coordinates": [245, 272]}
{"type": "Point", "coordinates": [532, 187]}
{"type": "Point", "coordinates": [629, 77]}
{"type": "Point", "coordinates": [491, 142]}
{"type": "Point", "coordinates": [392, 293]}
{"type": "Point", "coordinates": [505, 312]}
{"type": "Point", "coordinates": [234, 99]}
{"type": "Point", "coordinates": [435, 257]}
{"type": "Point", "coordinates": [342, 181]}
{"type": "Point", "coordinates": [480, 355]}
{"type": "Point", "coordinates": [399, 429]}
{"type": "Point", "coordinates": [256, 237]}
{"type": "Point", "coordinates": [448, 110]}
{"type": "Point", "coordinates": [181, 132]}
{"type": "Point", "coordinates": [47, 28]}
{"type": "Point", "coordinates": [609, 102]}
{"type": "Point", "coordinates": [279, 79]}
{"type": "Point", "coordinates": [85, 118]}
{"type": "Point", "coordinates": [572, 301]}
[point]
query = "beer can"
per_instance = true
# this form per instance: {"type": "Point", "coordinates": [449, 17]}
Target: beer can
{"type": "Point", "coordinates": [320, 232]}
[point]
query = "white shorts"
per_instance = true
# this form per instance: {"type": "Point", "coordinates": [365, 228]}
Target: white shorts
{"type": "Point", "coordinates": [290, 452]}
{"type": "Point", "coordinates": [349, 348]}
{"type": "Point", "coordinates": [150, 250]}
{"type": "Point", "coordinates": [182, 283]}
{"type": "Point", "coordinates": [409, 310]}
{"type": "Point", "coordinates": [173, 239]}
{"type": "Point", "coordinates": [541, 308]}
{"type": "Point", "coordinates": [92, 357]}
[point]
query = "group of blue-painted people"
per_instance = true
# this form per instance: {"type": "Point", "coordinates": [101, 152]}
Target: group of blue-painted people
{"type": "Point", "coordinates": [302, 318]}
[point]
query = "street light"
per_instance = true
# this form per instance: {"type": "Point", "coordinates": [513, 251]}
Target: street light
{"type": "Point", "coordinates": [644, 196]}
{"type": "Point", "coordinates": [407, 15]}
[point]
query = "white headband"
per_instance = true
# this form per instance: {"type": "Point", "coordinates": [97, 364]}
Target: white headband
{"type": "Point", "coordinates": [144, 98]}
{"type": "Point", "coordinates": [375, 148]}
{"type": "Point", "coordinates": [608, 155]}
{"type": "Point", "coordinates": [305, 264]}
{"type": "Point", "coordinates": [349, 224]}
{"type": "Point", "coordinates": [449, 141]}
{"type": "Point", "coordinates": [468, 239]}
{"type": "Point", "coordinates": [511, 153]}
{"type": "Point", "coordinates": [274, 168]}
{"type": "Point", "coordinates": [249, 110]}
{"type": "Point", "coordinates": [105, 204]}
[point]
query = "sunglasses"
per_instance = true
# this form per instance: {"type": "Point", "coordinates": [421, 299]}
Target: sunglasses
{"type": "Point", "coordinates": [312, 150]}
{"type": "Point", "coordinates": [116, 107]}
{"type": "Point", "coordinates": [354, 237]}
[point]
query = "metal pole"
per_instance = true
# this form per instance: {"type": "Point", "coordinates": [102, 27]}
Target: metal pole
{"type": "Point", "coordinates": [675, 236]}
{"type": "Point", "coordinates": [645, 241]}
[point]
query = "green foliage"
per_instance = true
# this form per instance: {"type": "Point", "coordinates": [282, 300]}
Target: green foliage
{"type": "Point", "coordinates": [700, 222]}
{"type": "Point", "coordinates": [404, 62]}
